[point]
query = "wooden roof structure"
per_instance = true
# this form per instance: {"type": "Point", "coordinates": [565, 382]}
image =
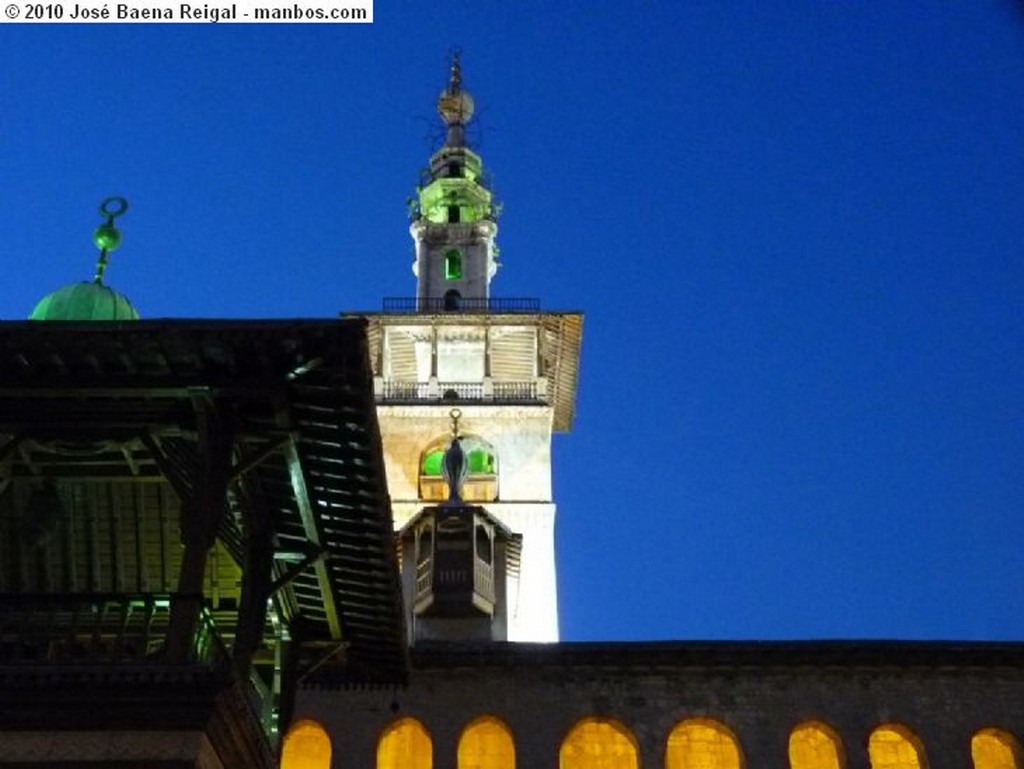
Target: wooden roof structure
{"type": "Point", "coordinates": [265, 430]}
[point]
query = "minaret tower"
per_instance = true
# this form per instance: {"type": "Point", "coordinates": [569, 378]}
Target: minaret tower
{"type": "Point", "coordinates": [464, 379]}
{"type": "Point", "coordinates": [454, 225]}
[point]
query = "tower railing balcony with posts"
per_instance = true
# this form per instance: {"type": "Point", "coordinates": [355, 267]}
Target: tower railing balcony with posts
{"type": "Point", "coordinates": [453, 303]}
{"type": "Point", "coordinates": [531, 391]}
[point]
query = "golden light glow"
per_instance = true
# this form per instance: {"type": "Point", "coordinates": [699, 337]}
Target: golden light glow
{"type": "Point", "coordinates": [702, 743]}
{"type": "Point", "coordinates": [894, 746]}
{"type": "Point", "coordinates": [598, 743]}
{"type": "Point", "coordinates": [486, 744]}
{"type": "Point", "coordinates": [995, 749]}
{"type": "Point", "coordinates": [814, 745]}
{"type": "Point", "coordinates": [405, 744]}
{"type": "Point", "coordinates": [306, 746]}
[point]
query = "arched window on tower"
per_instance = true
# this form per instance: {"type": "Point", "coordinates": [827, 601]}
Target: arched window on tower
{"type": "Point", "coordinates": [702, 743]}
{"type": "Point", "coordinates": [894, 746]}
{"type": "Point", "coordinates": [995, 749]}
{"type": "Point", "coordinates": [306, 746]}
{"type": "Point", "coordinates": [453, 264]}
{"type": "Point", "coordinates": [814, 745]}
{"type": "Point", "coordinates": [598, 743]}
{"type": "Point", "coordinates": [486, 743]}
{"type": "Point", "coordinates": [405, 744]}
{"type": "Point", "coordinates": [481, 484]}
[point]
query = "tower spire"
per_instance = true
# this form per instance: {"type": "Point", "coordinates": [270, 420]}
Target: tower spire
{"type": "Point", "coordinates": [455, 105]}
{"type": "Point", "coordinates": [453, 217]}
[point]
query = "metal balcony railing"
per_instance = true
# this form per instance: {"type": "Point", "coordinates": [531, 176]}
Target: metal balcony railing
{"type": "Point", "coordinates": [460, 304]}
{"type": "Point", "coordinates": [498, 392]}
{"type": "Point", "coordinates": [515, 391]}
{"type": "Point", "coordinates": [461, 391]}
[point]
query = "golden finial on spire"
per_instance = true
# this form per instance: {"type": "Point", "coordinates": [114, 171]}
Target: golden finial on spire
{"type": "Point", "coordinates": [455, 105]}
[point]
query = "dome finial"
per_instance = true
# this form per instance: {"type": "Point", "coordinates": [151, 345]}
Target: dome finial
{"type": "Point", "coordinates": [107, 237]}
{"type": "Point", "coordinates": [455, 105]}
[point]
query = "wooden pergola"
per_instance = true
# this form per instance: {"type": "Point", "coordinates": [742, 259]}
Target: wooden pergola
{"type": "Point", "coordinates": [182, 492]}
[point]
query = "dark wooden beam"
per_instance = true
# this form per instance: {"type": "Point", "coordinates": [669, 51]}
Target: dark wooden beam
{"type": "Point", "coordinates": [257, 573]}
{"type": "Point", "coordinates": [312, 531]}
{"type": "Point", "coordinates": [310, 523]}
{"type": "Point", "coordinates": [290, 574]}
{"type": "Point", "coordinates": [10, 445]}
{"type": "Point", "coordinates": [252, 461]}
{"type": "Point", "coordinates": [201, 517]}
{"type": "Point", "coordinates": [179, 481]}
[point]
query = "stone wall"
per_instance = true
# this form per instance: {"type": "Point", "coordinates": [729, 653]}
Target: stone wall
{"type": "Point", "coordinates": [943, 693]}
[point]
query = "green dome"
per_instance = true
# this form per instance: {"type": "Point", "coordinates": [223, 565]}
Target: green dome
{"type": "Point", "coordinates": [84, 301]}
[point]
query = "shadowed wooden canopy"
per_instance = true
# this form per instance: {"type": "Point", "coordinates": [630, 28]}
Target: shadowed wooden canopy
{"type": "Point", "coordinates": [265, 432]}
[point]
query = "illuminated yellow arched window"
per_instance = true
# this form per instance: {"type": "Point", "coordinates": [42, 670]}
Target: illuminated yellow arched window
{"type": "Point", "coordinates": [894, 746]}
{"type": "Point", "coordinates": [598, 743]}
{"type": "Point", "coordinates": [813, 745]}
{"type": "Point", "coordinates": [486, 744]}
{"type": "Point", "coordinates": [405, 744]}
{"type": "Point", "coordinates": [702, 743]}
{"type": "Point", "coordinates": [995, 749]}
{"type": "Point", "coordinates": [306, 746]}
{"type": "Point", "coordinates": [481, 484]}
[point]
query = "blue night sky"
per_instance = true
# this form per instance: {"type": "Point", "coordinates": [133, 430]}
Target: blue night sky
{"type": "Point", "coordinates": [796, 230]}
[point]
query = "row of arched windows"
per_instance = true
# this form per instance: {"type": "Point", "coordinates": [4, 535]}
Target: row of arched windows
{"type": "Point", "coordinates": [601, 743]}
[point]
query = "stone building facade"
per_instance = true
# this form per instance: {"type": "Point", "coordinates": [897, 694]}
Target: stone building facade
{"type": "Point", "coordinates": [688, 706]}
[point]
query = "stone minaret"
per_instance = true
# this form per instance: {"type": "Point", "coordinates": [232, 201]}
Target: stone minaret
{"type": "Point", "coordinates": [506, 373]}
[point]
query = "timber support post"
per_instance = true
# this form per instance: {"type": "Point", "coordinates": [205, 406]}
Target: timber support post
{"type": "Point", "coordinates": [201, 515]}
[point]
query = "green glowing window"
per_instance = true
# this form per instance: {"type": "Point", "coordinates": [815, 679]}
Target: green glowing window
{"type": "Point", "coordinates": [432, 463]}
{"type": "Point", "coordinates": [453, 265]}
{"type": "Point", "coordinates": [481, 462]}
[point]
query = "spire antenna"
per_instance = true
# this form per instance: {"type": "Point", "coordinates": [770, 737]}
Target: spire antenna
{"type": "Point", "coordinates": [455, 81]}
{"type": "Point", "coordinates": [107, 237]}
{"type": "Point", "coordinates": [455, 104]}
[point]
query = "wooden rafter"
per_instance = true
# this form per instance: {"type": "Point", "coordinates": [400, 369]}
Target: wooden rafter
{"type": "Point", "coordinates": [310, 527]}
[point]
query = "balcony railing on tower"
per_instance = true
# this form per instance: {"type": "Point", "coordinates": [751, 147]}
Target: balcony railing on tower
{"type": "Point", "coordinates": [527, 392]}
{"type": "Point", "coordinates": [453, 303]}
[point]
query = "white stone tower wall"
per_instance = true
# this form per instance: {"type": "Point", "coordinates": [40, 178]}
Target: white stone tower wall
{"type": "Point", "coordinates": [521, 437]}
